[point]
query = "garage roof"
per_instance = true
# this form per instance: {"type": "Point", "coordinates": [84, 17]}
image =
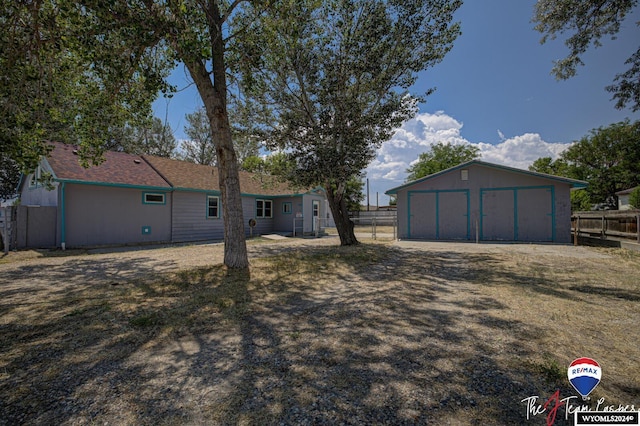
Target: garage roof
{"type": "Point", "coordinates": [573, 182]}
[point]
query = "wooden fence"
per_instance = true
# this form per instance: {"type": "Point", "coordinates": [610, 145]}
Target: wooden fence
{"type": "Point", "coordinates": [615, 224]}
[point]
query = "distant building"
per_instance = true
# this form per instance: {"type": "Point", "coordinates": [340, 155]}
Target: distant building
{"type": "Point", "coordinates": [623, 199]}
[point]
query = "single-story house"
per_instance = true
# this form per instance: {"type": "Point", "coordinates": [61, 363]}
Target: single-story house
{"type": "Point", "coordinates": [488, 202]}
{"type": "Point", "coordinates": [132, 199]}
{"type": "Point", "coordinates": [623, 199]}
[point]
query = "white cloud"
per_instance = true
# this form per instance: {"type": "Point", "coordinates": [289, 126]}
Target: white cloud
{"type": "Point", "coordinates": [416, 136]}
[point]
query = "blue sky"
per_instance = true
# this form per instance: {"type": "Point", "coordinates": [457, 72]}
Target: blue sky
{"type": "Point", "coordinates": [494, 90]}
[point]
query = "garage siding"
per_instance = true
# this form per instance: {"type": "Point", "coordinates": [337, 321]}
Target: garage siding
{"type": "Point", "coordinates": [439, 215]}
{"type": "Point", "coordinates": [517, 214]}
{"type": "Point", "coordinates": [488, 202]}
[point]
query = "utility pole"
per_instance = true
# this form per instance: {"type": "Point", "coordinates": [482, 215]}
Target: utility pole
{"type": "Point", "coordinates": [368, 194]}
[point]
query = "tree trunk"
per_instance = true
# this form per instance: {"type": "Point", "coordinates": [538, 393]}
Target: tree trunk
{"type": "Point", "coordinates": [214, 96]}
{"type": "Point", "coordinates": [340, 213]}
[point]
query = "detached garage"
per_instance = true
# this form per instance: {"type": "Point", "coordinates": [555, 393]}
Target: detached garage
{"type": "Point", "coordinates": [486, 201]}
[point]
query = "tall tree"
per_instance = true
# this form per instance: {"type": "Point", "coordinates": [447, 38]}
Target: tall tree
{"type": "Point", "coordinates": [9, 176]}
{"type": "Point", "coordinates": [608, 159]}
{"type": "Point", "coordinates": [587, 22]}
{"type": "Point", "coordinates": [52, 87]}
{"type": "Point", "coordinates": [199, 148]}
{"type": "Point", "coordinates": [440, 157]}
{"type": "Point", "coordinates": [196, 33]}
{"type": "Point", "coordinates": [153, 138]}
{"type": "Point", "coordinates": [336, 76]}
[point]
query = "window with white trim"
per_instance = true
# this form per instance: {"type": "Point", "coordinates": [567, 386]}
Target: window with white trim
{"type": "Point", "coordinates": [154, 198]}
{"type": "Point", "coordinates": [264, 208]}
{"type": "Point", "coordinates": [213, 207]}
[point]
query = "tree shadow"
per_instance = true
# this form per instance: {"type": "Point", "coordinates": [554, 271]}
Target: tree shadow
{"type": "Point", "coordinates": [324, 335]}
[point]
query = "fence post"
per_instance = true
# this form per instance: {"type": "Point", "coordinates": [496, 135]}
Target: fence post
{"type": "Point", "coordinates": [373, 228]}
{"type": "Point", "coordinates": [5, 229]}
{"type": "Point", "coordinates": [395, 228]}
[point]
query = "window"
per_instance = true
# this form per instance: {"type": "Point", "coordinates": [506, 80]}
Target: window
{"type": "Point", "coordinates": [286, 208]}
{"type": "Point", "coordinates": [153, 198]}
{"type": "Point", "coordinates": [213, 207]}
{"type": "Point", "coordinates": [264, 208]}
{"type": "Point", "coordinates": [35, 178]}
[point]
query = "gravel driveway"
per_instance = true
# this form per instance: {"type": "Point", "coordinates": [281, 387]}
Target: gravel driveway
{"type": "Point", "coordinates": [395, 333]}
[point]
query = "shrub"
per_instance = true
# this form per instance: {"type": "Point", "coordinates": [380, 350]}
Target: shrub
{"type": "Point", "coordinates": [634, 198]}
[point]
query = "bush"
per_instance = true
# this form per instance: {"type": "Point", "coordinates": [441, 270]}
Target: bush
{"type": "Point", "coordinates": [634, 198]}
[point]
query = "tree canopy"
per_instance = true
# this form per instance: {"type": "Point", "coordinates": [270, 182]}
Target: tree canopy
{"type": "Point", "coordinates": [64, 78]}
{"type": "Point", "coordinates": [608, 159]}
{"type": "Point", "coordinates": [335, 75]}
{"type": "Point", "coordinates": [79, 71]}
{"type": "Point", "coordinates": [586, 22]}
{"type": "Point", "coordinates": [199, 148]}
{"type": "Point", "coordinates": [440, 157]}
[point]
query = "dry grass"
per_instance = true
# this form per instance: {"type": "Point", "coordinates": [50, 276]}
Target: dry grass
{"type": "Point", "coordinates": [367, 334]}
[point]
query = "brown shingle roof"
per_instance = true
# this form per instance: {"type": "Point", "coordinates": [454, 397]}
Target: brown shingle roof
{"type": "Point", "coordinates": [118, 168]}
{"type": "Point", "coordinates": [185, 175]}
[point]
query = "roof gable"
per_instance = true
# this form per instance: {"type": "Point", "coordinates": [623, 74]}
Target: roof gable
{"type": "Point", "coordinates": [119, 168]}
{"type": "Point", "coordinates": [572, 182]}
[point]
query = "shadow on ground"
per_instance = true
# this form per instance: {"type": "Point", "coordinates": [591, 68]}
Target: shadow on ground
{"type": "Point", "coordinates": [364, 335]}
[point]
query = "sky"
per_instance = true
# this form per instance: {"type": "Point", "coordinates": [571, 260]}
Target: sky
{"type": "Point", "coordinates": [494, 90]}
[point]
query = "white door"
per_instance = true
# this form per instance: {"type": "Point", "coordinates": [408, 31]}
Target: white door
{"type": "Point", "coordinates": [316, 214]}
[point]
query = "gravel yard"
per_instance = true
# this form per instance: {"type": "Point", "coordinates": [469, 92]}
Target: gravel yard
{"type": "Point", "coordinates": [382, 333]}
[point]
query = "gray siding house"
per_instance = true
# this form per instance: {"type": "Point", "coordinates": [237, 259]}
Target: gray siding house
{"type": "Point", "coordinates": [486, 201]}
{"type": "Point", "coordinates": [130, 199]}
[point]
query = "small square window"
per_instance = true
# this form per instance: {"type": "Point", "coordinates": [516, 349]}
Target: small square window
{"type": "Point", "coordinates": [154, 198]}
{"type": "Point", "coordinates": [213, 204]}
{"type": "Point", "coordinates": [286, 208]}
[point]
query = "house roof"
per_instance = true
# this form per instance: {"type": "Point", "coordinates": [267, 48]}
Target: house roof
{"type": "Point", "coordinates": [119, 168]}
{"type": "Point", "coordinates": [147, 171]}
{"type": "Point", "coordinates": [627, 191]}
{"type": "Point", "coordinates": [191, 176]}
{"type": "Point", "coordinates": [573, 182]}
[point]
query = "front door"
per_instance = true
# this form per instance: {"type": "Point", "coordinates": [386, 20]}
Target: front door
{"type": "Point", "coordinates": [316, 214]}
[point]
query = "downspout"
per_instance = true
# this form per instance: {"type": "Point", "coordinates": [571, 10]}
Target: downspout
{"type": "Point", "coordinates": [63, 219]}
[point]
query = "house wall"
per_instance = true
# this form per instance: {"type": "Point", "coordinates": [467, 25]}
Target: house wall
{"type": "Point", "coordinates": [493, 204]}
{"type": "Point", "coordinates": [264, 225]}
{"type": "Point", "coordinates": [38, 195]}
{"type": "Point", "coordinates": [623, 202]}
{"type": "Point", "coordinates": [190, 222]}
{"type": "Point", "coordinates": [36, 226]}
{"type": "Point", "coordinates": [105, 215]}
{"type": "Point", "coordinates": [307, 210]}
{"type": "Point", "coordinates": [283, 222]}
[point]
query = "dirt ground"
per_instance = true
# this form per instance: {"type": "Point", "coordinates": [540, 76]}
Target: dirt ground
{"type": "Point", "coordinates": [384, 333]}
